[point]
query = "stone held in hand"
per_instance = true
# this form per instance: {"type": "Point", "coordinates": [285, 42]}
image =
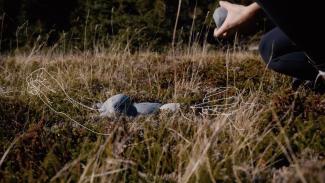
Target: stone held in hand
{"type": "Point", "coordinates": [116, 105]}
{"type": "Point", "coordinates": [219, 16]}
{"type": "Point", "coordinates": [171, 107]}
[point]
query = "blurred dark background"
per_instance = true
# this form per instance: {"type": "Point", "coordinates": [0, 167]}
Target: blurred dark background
{"type": "Point", "coordinates": [85, 22]}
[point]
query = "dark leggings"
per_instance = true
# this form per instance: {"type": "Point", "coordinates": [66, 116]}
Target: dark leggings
{"type": "Point", "coordinates": [296, 22]}
{"type": "Point", "coordinates": [283, 56]}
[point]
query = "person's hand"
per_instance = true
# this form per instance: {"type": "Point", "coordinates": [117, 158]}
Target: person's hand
{"type": "Point", "coordinates": [237, 16]}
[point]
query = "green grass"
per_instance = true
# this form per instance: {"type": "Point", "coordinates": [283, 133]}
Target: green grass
{"type": "Point", "coordinates": [272, 134]}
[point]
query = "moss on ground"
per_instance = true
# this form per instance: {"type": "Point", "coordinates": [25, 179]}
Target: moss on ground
{"type": "Point", "coordinates": [280, 136]}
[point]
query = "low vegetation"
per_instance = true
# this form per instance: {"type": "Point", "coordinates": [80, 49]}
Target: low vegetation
{"type": "Point", "coordinates": [259, 131]}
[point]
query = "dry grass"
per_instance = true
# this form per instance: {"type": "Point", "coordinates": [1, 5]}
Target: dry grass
{"type": "Point", "coordinates": [269, 134]}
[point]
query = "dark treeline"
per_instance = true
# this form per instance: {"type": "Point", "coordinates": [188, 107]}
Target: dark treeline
{"type": "Point", "coordinates": [25, 21]}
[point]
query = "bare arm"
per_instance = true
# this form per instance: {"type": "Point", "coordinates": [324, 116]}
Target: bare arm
{"type": "Point", "coordinates": [237, 16]}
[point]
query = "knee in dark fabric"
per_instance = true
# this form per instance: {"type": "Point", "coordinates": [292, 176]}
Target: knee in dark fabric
{"type": "Point", "coordinates": [265, 49]}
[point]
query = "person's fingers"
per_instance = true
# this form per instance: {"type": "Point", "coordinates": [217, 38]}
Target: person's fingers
{"type": "Point", "coordinates": [215, 32]}
{"type": "Point", "coordinates": [224, 28]}
{"type": "Point", "coordinates": [225, 4]}
{"type": "Point", "coordinates": [225, 34]}
{"type": "Point", "coordinates": [219, 31]}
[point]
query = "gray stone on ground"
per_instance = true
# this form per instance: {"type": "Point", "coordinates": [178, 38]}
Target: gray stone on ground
{"type": "Point", "coordinates": [117, 104]}
{"type": "Point", "coordinates": [122, 105]}
{"type": "Point", "coordinates": [219, 16]}
{"type": "Point", "coordinates": [147, 108]}
{"type": "Point", "coordinates": [171, 107]}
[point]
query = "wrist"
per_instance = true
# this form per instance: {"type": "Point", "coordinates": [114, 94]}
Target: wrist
{"type": "Point", "coordinates": [252, 9]}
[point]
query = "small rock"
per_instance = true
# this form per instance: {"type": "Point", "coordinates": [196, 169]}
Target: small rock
{"type": "Point", "coordinates": [147, 108]}
{"type": "Point", "coordinates": [117, 104]}
{"type": "Point", "coordinates": [172, 107]}
{"type": "Point", "coordinates": [122, 105]}
{"type": "Point", "coordinates": [219, 16]}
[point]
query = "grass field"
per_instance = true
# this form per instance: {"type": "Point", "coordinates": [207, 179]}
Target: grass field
{"type": "Point", "coordinates": [261, 130]}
